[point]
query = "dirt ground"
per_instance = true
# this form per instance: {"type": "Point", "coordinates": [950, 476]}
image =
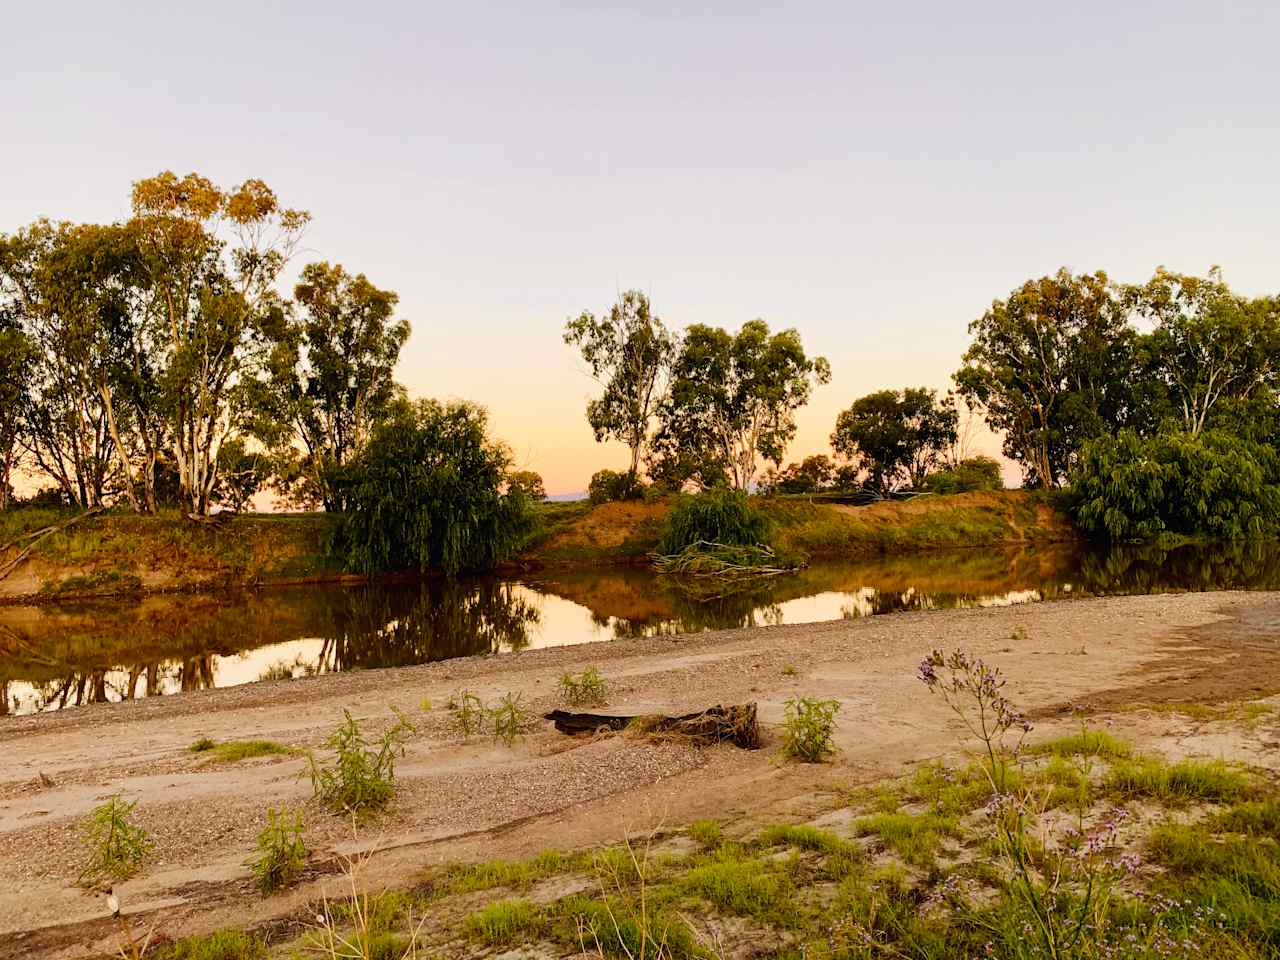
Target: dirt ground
{"type": "Point", "coordinates": [473, 799]}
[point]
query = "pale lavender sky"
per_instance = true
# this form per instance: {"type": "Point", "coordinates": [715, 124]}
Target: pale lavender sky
{"type": "Point", "coordinates": [872, 174]}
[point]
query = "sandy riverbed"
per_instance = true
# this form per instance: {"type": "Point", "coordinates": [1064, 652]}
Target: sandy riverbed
{"type": "Point", "coordinates": [473, 799]}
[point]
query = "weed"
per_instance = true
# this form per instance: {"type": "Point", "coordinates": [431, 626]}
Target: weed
{"type": "Point", "coordinates": [1019, 633]}
{"type": "Point", "coordinates": [424, 705]}
{"type": "Point", "coordinates": [1186, 781]}
{"type": "Point", "coordinates": [789, 670]}
{"type": "Point", "coordinates": [116, 846]}
{"type": "Point", "coordinates": [586, 689]}
{"type": "Point", "coordinates": [466, 713]}
{"type": "Point", "coordinates": [745, 887]}
{"type": "Point", "coordinates": [223, 945]}
{"type": "Point", "coordinates": [202, 745]}
{"type": "Point", "coordinates": [706, 833]}
{"type": "Point", "coordinates": [281, 851]}
{"type": "Point", "coordinates": [518, 874]}
{"type": "Point", "coordinates": [1089, 743]}
{"type": "Point", "coordinates": [916, 839]}
{"type": "Point", "coordinates": [807, 728]}
{"type": "Point", "coordinates": [359, 778]}
{"type": "Point", "coordinates": [1260, 819]}
{"type": "Point", "coordinates": [507, 718]}
{"type": "Point", "coordinates": [506, 922]}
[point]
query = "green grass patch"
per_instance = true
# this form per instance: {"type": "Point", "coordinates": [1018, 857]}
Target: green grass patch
{"type": "Point", "coordinates": [618, 927]}
{"type": "Point", "coordinates": [506, 922]}
{"type": "Point", "coordinates": [517, 874]}
{"type": "Point", "coordinates": [1186, 781]}
{"type": "Point", "coordinates": [1086, 743]}
{"type": "Point", "coordinates": [1257, 819]}
{"type": "Point", "coordinates": [706, 833]}
{"type": "Point", "coordinates": [98, 582]}
{"type": "Point", "coordinates": [223, 945]}
{"type": "Point", "coordinates": [915, 838]}
{"type": "Point", "coordinates": [233, 751]}
{"type": "Point", "coordinates": [744, 887]}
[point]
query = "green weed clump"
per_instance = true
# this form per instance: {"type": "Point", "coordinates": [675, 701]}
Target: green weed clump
{"type": "Point", "coordinates": [706, 833]}
{"type": "Point", "coordinates": [719, 515]}
{"type": "Point", "coordinates": [517, 874]}
{"type": "Point", "coordinates": [745, 887]}
{"type": "Point", "coordinates": [281, 851]}
{"type": "Point", "coordinates": [586, 689]}
{"type": "Point", "coordinates": [506, 922]}
{"type": "Point", "coordinates": [1088, 743]}
{"type": "Point", "coordinates": [202, 745]}
{"type": "Point", "coordinates": [223, 945]}
{"type": "Point", "coordinates": [616, 926]}
{"type": "Point", "coordinates": [1186, 781]}
{"type": "Point", "coordinates": [466, 713]}
{"type": "Point", "coordinates": [807, 727]}
{"type": "Point", "coordinates": [359, 778]}
{"type": "Point", "coordinates": [507, 718]}
{"type": "Point", "coordinates": [1257, 819]}
{"type": "Point", "coordinates": [116, 846]}
{"type": "Point", "coordinates": [916, 839]}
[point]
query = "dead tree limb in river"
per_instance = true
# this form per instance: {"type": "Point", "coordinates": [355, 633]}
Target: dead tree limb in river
{"type": "Point", "coordinates": [39, 536]}
{"type": "Point", "coordinates": [734, 724]}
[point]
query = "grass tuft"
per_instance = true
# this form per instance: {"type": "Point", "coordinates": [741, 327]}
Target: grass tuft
{"type": "Point", "coordinates": [233, 751]}
{"type": "Point", "coordinates": [1183, 782]}
{"type": "Point", "coordinates": [1087, 743]}
{"type": "Point", "coordinates": [506, 922]}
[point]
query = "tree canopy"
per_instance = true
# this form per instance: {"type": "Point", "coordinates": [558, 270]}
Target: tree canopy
{"type": "Point", "coordinates": [896, 437]}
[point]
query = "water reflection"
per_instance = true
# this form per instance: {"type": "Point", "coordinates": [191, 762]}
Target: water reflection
{"type": "Point", "coordinates": [58, 656]}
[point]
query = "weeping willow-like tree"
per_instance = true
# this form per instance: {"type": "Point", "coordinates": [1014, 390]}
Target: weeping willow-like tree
{"type": "Point", "coordinates": [426, 493]}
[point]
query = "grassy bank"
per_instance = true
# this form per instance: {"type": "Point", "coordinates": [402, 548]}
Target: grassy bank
{"type": "Point", "coordinates": [119, 553]}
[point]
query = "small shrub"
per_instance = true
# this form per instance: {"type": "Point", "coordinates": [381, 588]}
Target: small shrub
{"type": "Point", "coordinates": [202, 745]}
{"type": "Point", "coordinates": [706, 833]}
{"type": "Point", "coordinates": [506, 922]}
{"type": "Point", "coordinates": [607, 486]}
{"type": "Point", "coordinates": [116, 846]}
{"type": "Point", "coordinates": [719, 515]}
{"type": "Point", "coordinates": [507, 718]}
{"type": "Point", "coordinates": [466, 713]}
{"type": "Point", "coordinates": [281, 851]}
{"type": "Point", "coordinates": [807, 728]}
{"type": "Point", "coordinates": [359, 778]}
{"type": "Point", "coordinates": [586, 689]}
{"type": "Point", "coordinates": [975, 473]}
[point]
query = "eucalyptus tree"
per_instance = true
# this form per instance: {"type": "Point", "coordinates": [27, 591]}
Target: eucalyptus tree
{"type": "Point", "coordinates": [1051, 368]}
{"type": "Point", "coordinates": [211, 257]}
{"type": "Point", "coordinates": [629, 352]}
{"type": "Point", "coordinates": [16, 359]}
{"type": "Point", "coordinates": [1210, 350]}
{"type": "Point", "coordinates": [897, 436]}
{"type": "Point", "coordinates": [331, 375]}
{"type": "Point", "coordinates": [732, 401]}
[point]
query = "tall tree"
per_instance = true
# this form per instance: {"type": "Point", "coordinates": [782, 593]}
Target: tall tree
{"type": "Point", "coordinates": [1050, 366]}
{"type": "Point", "coordinates": [733, 399]}
{"type": "Point", "coordinates": [16, 360]}
{"type": "Point", "coordinates": [629, 352]}
{"type": "Point", "coordinates": [332, 372]}
{"type": "Point", "coordinates": [213, 301]}
{"type": "Point", "coordinates": [1210, 349]}
{"type": "Point", "coordinates": [897, 436]}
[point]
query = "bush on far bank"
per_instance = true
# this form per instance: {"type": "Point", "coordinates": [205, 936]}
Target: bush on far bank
{"type": "Point", "coordinates": [975, 473]}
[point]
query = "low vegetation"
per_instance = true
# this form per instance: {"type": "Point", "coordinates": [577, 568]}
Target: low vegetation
{"type": "Point", "coordinates": [233, 751]}
{"type": "Point", "coordinates": [115, 846]}
{"type": "Point", "coordinates": [587, 689]}
{"type": "Point", "coordinates": [807, 727]}
{"type": "Point", "coordinates": [282, 853]}
{"type": "Point", "coordinates": [359, 778]}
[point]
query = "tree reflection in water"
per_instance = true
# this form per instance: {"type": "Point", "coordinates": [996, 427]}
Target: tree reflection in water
{"type": "Point", "coordinates": [61, 655]}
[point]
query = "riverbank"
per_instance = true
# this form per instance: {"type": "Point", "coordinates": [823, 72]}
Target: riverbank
{"type": "Point", "coordinates": [1178, 676]}
{"type": "Point", "coordinates": [115, 554]}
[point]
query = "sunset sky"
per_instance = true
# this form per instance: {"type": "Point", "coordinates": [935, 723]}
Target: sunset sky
{"type": "Point", "coordinates": [872, 174]}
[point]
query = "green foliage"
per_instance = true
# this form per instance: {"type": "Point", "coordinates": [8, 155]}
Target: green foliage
{"type": "Point", "coordinates": [507, 717]}
{"type": "Point", "coordinates": [223, 945]}
{"type": "Point", "coordinates": [202, 745]}
{"type": "Point", "coordinates": [233, 751]}
{"type": "Point", "coordinates": [1090, 743]}
{"type": "Point", "coordinates": [606, 486]}
{"type": "Point", "coordinates": [719, 515]}
{"type": "Point", "coordinates": [466, 713]}
{"type": "Point", "coordinates": [807, 727]}
{"type": "Point", "coordinates": [732, 401]}
{"type": "Point", "coordinates": [975, 473]}
{"type": "Point", "coordinates": [1187, 781]}
{"type": "Point", "coordinates": [281, 851]}
{"type": "Point", "coordinates": [425, 493]}
{"type": "Point", "coordinates": [585, 689]}
{"type": "Point", "coordinates": [620, 927]}
{"type": "Point", "coordinates": [896, 437]}
{"type": "Point", "coordinates": [241, 473]}
{"type": "Point", "coordinates": [509, 873]}
{"type": "Point", "coordinates": [506, 922]}
{"type": "Point", "coordinates": [746, 887]}
{"type": "Point", "coordinates": [812, 474]}
{"type": "Point", "coordinates": [1129, 487]}
{"type": "Point", "coordinates": [116, 847]}
{"type": "Point", "coordinates": [916, 839]}
{"type": "Point", "coordinates": [528, 483]}
{"type": "Point", "coordinates": [359, 779]}
{"type": "Point", "coordinates": [706, 833]}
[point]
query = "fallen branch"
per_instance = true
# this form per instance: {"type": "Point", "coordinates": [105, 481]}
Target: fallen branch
{"type": "Point", "coordinates": [734, 724]}
{"type": "Point", "coordinates": [39, 535]}
{"type": "Point", "coordinates": [723, 561]}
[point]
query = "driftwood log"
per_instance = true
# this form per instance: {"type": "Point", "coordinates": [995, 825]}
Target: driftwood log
{"type": "Point", "coordinates": [734, 724]}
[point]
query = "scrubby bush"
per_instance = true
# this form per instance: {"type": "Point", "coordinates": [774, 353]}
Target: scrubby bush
{"type": "Point", "coordinates": [975, 473]}
{"type": "Point", "coordinates": [609, 485]}
{"type": "Point", "coordinates": [585, 689]}
{"type": "Point", "coordinates": [281, 851]}
{"type": "Point", "coordinates": [116, 847]}
{"type": "Point", "coordinates": [528, 483]}
{"type": "Point", "coordinates": [1217, 485]}
{"type": "Point", "coordinates": [807, 726]}
{"type": "Point", "coordinates": [719, 515]}
{"type": "Point", "coordinates": [359, 778]}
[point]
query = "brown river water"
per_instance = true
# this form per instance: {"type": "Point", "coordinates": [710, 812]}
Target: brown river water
{"type": "Point", "coordinates": [72, 653]}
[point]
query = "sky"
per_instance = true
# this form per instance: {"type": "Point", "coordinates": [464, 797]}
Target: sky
{"type": "Point", "coordinates": [873, 175]}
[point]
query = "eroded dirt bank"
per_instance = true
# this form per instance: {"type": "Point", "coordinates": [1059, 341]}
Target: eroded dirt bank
{"type": "Point", "coordinates": [471, 799]}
